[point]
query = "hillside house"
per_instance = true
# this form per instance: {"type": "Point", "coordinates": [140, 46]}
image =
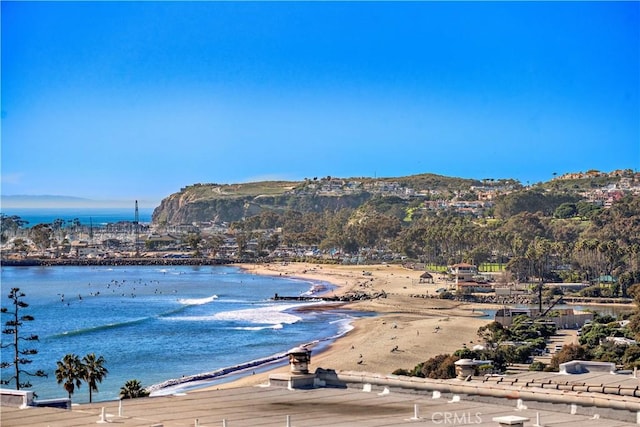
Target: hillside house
{"type": "Point", "coordinates": [82, 249]}
{"type": "Point", "coordinates": [157, 242]}
{"type": "Point", "coordinates": [473, 287]}
{"type": "Point", "coordinates": [462, 272]}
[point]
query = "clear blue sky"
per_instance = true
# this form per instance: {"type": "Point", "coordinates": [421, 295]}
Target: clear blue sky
{"type": "Point", "coordinates": [134, 100]}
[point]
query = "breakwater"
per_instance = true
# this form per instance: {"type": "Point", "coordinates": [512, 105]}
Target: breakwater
{"type": "Point", "coordinates": [49, 262]}
{"type": "Point", "coordinates": [349, 297]}
{"type": "Point", "coordinates": [209, 376]}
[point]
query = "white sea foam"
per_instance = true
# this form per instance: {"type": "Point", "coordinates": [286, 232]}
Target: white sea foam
{"type": "Point", "coordinates": [198, 301]}
{"type": "Point", "coordinates": [189, 318]}
{"type": "Point", "coordinates": [259, 328]}
{"type": "Point", "coordinates": [346, 325]}
{"type": "Point", "coordinates": [267, 315]}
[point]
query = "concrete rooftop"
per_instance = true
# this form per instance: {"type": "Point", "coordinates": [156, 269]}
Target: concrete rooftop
{"type": "Point", "coordinates": [270, 406]}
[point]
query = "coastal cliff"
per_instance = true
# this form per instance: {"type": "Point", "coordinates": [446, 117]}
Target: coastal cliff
{"type": "Point", "coordinates": [227, 203]}
{"type": "Point", "coordinates": [232, 202]}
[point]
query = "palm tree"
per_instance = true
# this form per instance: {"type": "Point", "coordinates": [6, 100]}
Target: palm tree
{"type": "Point", "coordinates": [132, 389]}
{"type": "Point", "coordinates": [94, 372]}
{"type": "Point", "coordinates": [70, 371]}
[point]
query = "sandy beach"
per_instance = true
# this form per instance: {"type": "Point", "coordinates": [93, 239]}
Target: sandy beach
{"type": "Point", "coordinates": [408, 329]}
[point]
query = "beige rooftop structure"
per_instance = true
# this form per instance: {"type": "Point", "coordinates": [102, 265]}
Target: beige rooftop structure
{"type": "Point", "coordinates": [348, 398]}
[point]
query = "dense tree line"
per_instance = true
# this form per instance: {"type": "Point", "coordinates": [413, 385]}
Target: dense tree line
{"type": "Point", "coordinates": [539, 235]}
{"type": "Point", "coordinates": [531, 234]}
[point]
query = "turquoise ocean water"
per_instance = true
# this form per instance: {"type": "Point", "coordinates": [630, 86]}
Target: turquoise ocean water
{"type": "Point", "coordinates": [159, 323]}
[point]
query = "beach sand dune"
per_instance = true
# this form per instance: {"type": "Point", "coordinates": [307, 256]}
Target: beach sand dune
{"type": "Point", "coordinates": [408, 327]}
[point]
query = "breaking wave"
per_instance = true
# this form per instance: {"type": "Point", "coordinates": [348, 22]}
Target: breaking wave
{"type": "Point", "coordinates": [198, 301]}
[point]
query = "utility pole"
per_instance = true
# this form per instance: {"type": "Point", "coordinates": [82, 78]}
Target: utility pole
{"type": "Point", "coordinates": [540, 298]}
{"type": "Point", "coordinates": [136, 221]}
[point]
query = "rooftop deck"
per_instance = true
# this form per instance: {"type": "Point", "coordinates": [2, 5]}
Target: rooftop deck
{"type": "Point", "coordinates": [353, 405]}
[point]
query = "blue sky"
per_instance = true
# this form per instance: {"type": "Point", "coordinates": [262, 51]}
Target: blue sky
{"type": "Point", "coordinates": [134, 100]}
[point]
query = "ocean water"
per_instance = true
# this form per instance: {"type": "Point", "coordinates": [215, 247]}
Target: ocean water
{"type": "Point", "coordinates": [86, 216]}
{"type": "Point", "coordinates": [154, 324]}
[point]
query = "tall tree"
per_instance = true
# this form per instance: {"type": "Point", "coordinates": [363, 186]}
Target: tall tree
{"type": "Point", "coordinates": [11, 223]}
{"type": "Point", "coordinates": [12, 328]}
{"type": "Point", "coordinates": [242, 240]}
{"type": "Point", "coordinates": [70, 373]}
{"type": "Point", "coordinates": [94, 372]}
{"type": "Point", "coordinates": [213, 243]}
{"type": "Point", "coordinates": [194, 240]}
{"type": "Point", "coordinates": [41, 235]}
